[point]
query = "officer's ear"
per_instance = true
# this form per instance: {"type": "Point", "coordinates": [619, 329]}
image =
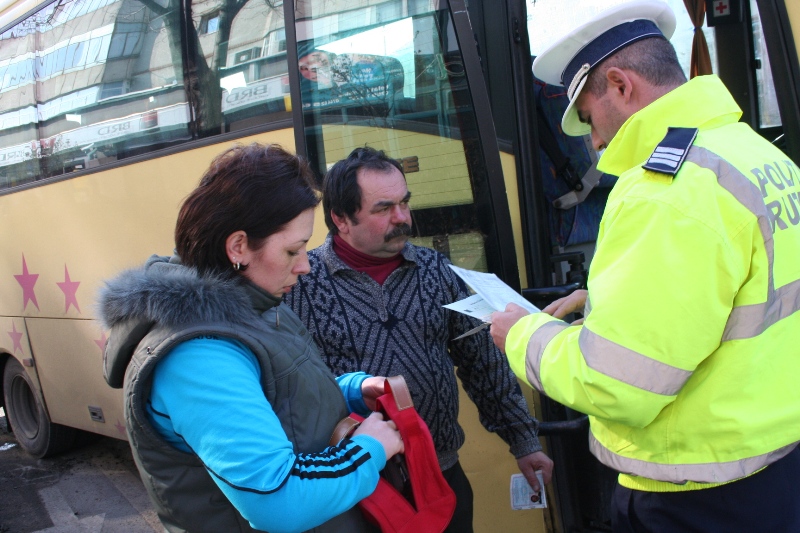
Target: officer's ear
{"type": "Point", "coordinates": [619, 83]}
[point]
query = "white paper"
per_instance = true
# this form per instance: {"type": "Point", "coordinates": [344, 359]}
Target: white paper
{"type": "Point", "coordinates": [523, 496]}
{"type": "Point", "coordinates": [475, 306]}
{"type": "Point", "coordinates": [494, 292]}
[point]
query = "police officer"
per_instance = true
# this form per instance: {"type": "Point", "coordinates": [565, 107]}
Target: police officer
{"type": "Point", "coordinates": [687, 359]}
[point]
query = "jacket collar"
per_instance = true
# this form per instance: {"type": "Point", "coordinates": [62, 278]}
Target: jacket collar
{"type": "Point", "coordinates": [702, 102]}
{"type": "Point", "coordinates": [260, 299]}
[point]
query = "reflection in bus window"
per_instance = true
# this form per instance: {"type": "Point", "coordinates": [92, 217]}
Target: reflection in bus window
{"type": "Point", "coordinates": [390, 75]}
{"type": "Point", "coordinates": [87, 83]}
{"type": "Point", "coordinates": [335, 80]}
{"type": "Point", "coordinates": [242, 71]}
{"type": "Point", "coordinates": [315, 66]}
{"type": "Point", "coordinates": [768, 113]}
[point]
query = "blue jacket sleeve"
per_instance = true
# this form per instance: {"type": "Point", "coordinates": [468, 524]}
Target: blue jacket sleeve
{"type": "Point", "coordinates": [351, 389]}
{"type": "Point", "coordinates": [242, 444]}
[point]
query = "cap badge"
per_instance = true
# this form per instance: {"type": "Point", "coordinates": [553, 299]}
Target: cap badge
{"type": "Point", "coordinates": [576, 80]}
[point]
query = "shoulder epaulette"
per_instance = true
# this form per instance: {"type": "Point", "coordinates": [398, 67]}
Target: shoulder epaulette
{"type": "Point", "coordinates": [668, 156]}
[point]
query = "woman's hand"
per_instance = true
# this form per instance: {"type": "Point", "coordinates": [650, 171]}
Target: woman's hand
{"type": "Point", "coordinates": [384, 431]}
{"type": "Point", "coordinates": [371, 389]}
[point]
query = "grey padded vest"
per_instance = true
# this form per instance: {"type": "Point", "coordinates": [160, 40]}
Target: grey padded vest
{"type": "Point", "coordinates": [299, 387]}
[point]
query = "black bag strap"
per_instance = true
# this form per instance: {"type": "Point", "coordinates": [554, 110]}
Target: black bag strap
{"type": "Point", "coordinates": [548, 143]}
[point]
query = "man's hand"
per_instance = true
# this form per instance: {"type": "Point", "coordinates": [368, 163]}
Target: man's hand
{"type": "Point", "coordinates": [569, 304]}
{"type": "Point", "coordinates": [371, 389]}
{"type": "Point", "coordinates": [502, 322]}
{"type": "Point", "coordinates": [530, 463]}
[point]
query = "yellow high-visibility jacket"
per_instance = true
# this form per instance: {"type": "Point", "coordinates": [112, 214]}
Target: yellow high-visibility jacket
{"type": "Point", "coordinates": [688, 362]}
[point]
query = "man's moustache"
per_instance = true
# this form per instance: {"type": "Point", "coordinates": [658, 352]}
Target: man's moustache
{"type": "Point", "coordinates": [402, 230]}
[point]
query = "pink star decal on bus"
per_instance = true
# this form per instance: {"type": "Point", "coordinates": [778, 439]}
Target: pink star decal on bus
{"type": "Point", "coordinates": [101, 342]}
{"type": "Point", "coordinates": [70, 289]}
{"type": "Point", "coordinates": [27, 281]}
{"type": "Point", "coordinates": [16, 338]}
{"type": "Point", "coordinates": [120, 427]}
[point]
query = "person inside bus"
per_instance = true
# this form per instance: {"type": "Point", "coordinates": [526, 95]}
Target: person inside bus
{"type": "Point", "coordinates": [686, 359]}
{"type": "Point", "coordinates": [373, 302]}
{"type": "Point", "coordinates": [228, 405]}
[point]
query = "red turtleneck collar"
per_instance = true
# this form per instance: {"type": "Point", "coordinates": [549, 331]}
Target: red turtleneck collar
{"type": "Point", "coordinates": [378, 268]}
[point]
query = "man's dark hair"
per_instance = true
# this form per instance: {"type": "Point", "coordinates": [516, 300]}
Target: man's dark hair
{"type": "Point", "coordinates": [341, 193]}
{"type": "Point", "coordinates": [257, 189]}
{"type": "Point", "coordinates": [653, 58]}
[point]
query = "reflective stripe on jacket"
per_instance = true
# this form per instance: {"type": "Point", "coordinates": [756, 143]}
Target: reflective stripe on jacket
{"type": "Point", "coordinates": [688, 357]}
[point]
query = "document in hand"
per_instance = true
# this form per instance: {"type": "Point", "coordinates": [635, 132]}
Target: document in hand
{"type": "Point", "coordinates": [491, 294]}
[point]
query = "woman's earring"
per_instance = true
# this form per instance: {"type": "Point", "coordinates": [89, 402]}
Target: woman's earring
{"type": "Point", "coordinates": [237, 265]}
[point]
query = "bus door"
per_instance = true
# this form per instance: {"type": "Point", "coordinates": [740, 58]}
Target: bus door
{"type": "Point", "coordinates": [756, 54]}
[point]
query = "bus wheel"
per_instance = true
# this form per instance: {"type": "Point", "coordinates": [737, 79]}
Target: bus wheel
{"type": "Point", "coordinates": [27, 416]}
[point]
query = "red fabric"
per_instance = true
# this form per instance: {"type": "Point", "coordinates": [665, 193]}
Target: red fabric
{"type": "Point", "coordinates": [378, 268]}
{"type": "Point", "coordinates": [434, 500]}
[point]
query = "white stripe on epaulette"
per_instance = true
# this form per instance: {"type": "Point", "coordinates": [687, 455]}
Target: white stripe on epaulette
{"type": "Point", "coordinates": [668, 159]}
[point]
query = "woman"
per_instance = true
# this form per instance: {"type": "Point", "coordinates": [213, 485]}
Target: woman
{"type": "Point", "coordinates": [228, 406]}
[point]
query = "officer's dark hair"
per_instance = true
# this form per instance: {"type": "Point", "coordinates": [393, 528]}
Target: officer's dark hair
{"type": "Point", "coordinates": [653, 58]}
{"type": "Point", "coordinates": [341, 193]}
{"type": "Point", "coordinates": [257, 189]}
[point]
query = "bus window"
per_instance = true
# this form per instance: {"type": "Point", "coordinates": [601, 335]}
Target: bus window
{"type": "Point", "coordinates": [768, 114]}
{"type": "Point", "coordinates": [86, 83]}
{"type": "Point", "coordinates": [241, 66]}
{"type": "Point", "coordinates": [391, 76]}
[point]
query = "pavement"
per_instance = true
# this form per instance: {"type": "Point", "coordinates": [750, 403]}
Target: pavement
{"type": "Point", "coordinates": [94, 488]}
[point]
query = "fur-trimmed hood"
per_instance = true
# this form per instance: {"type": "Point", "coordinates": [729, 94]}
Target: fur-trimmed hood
{"type": "Point", "coordinates": [164, 292]}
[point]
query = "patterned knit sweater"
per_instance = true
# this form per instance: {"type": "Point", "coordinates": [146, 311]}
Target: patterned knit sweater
{"type": "Point", "coordinates": [400, 327]}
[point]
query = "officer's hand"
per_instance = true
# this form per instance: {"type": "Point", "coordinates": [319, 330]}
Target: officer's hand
{"type": "Point", "coordinates": [384, 431]}
{"type": "Point", "coordinates": [502, 321]}
{"type": "Point", "coordinates": [575, 302]}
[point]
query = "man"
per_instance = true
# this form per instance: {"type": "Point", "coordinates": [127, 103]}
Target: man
{"type": "Point", "coordinates": [687, 359]}
{"type": "Point", "coordinates": [373, 302]}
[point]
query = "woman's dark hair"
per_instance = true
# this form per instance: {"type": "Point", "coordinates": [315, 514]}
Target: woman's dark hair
{"type": "Point", "coordinates": [257, 189]}
{"type": "Point", "coordinates": [340, 190]}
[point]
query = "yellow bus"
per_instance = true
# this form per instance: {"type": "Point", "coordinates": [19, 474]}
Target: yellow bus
{"type": "Point", "coordinates": [110, 110]}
